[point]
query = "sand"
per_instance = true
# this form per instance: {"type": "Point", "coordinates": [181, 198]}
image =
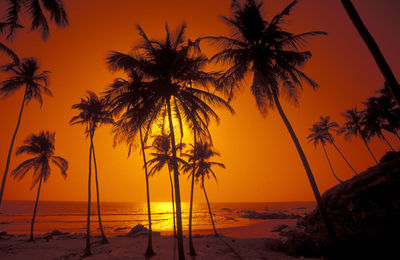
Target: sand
{"type": "Point", "coordinates": [251, 246]}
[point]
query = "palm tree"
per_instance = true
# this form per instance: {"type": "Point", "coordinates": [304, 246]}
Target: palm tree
{"type": "Point", "coordinates": [354, 127]}
{"type": "Point", "coordinates": [320, 135]}
{"type": "Point", "coordinates": [271, 54]}
{"type": "Point", "coordinates": [93, 113]}
{"type": "Point", "coordinates": [34, 8]}
{"type": "Point", "coordinates": [161, 157]}
{"type": "Point", "coordinates": [25, 74]}
{"type": "Point", "coordinates": [41, 147]}
{"type": "Point", "coordinates": [374, 121]}
{"type": "Point", "coordinates": [169, 68]}
{"type": "Point", "coordinates": [200, 156]}
{"type": "Point", "coordinates": [374, 49]}
{"type": "Point", "coordinates": [326, 126]}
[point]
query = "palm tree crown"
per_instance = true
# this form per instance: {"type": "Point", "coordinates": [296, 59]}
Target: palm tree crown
{"type": "Point", "coordinates": [353, 125]}
{"type": "Point", "coordinates": [40, 146]}
{"type": "Point", "coordinates": [320, 131]}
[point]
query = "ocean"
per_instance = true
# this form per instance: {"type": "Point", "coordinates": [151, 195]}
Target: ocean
{"type": "Point", "coordinates": [119, 217]}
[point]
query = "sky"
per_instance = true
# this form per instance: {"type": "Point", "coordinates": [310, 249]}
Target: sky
{"type": "Point", "coordinates": [262, 164]}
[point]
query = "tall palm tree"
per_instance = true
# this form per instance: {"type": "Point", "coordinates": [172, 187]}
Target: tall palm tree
{"type": "Point", "coordinates": [320, 135]}
{"type": "Point", "coordinates": [200, 156]}
{"type": "Point", "coordinates": [161, 157]}
{"type": "Point", "coordinates": [374, 49]}
{"type": "Point", "coordinates": [374, 121]}
{"type": "Point", "coordinates": [272, 56]}
{"type": "Point", "coordinates": [41, 147]}
{"type": "Point", "coordinates": [354, 127]}
{"type": "Point", "coordinates": [169, 67]}
{"type": "Point", "coordinates": [93, 113]}
{"type": "Point", "coordinates": [36, 10]}
{"type": "Point", "coordinates": [327, 126]}
{"type": "Point", "coordinates": [26, 75]}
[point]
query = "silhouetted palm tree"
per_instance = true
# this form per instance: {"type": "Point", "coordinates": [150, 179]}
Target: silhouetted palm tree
{"type": "Point", "coordinates": [374, 49]}
{"type": "Point", "coordinates": [203, 168]}
{"type": "Point", "coordinates": [34, 8]}
{"type": "Point", "coordinates": [94, 112]}
{"type": "Point", "coordinates": [41, 147]}
{"type": "Point", "coordinates": [374, 121]}
{"type": "Point", "coordinates": [271, 54]}
{"type": "Point", "coordinates": [354, 127]}
{"type": "Point", "coordinates": [169, 68]}
{"type": "Point", "coordinates": [26, 75]}
{"type": "Point", "coordinates": [161, 157]}
{"type": "Point", "coordinates": [388, 110]}
{"type": "Point", "coordinates": [320, 135]}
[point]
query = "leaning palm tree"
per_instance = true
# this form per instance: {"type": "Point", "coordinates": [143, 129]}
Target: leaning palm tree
{"type": "Point", "coordinates": [169, 69]}
{"type": "Point", "coordinates": [93, 113]}
{"type": "Point", "coordinates": [321, 135]}
{"type": "Point", "coordinates": [374, 49]}
{"type": "Point", "coordinates": [354, 127]}
{"type": "Point", "coordinates": [199, 158]}
{"type": "Point", "coordinates": [41, 147]}
{"type": "Point", "coordinates": [327, 126]}
{"type": "Point", "coordinates": [27, 75]}
{"type": "Point", "coordinates": [265, 50]}
{"type": "Point", "coordinates": [374, 121]}
{"type": "Point", "coordinates": [161, 157]}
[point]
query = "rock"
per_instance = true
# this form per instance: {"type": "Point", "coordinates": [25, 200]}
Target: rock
{"type": "Point", "coordinates": [265, 215]}
{"type": "Point", "coordinates": [120, 228]}
{"type": "Point", "coordinates": [278, 228]}
{"type": "Point", "coordinates": [140, 230]}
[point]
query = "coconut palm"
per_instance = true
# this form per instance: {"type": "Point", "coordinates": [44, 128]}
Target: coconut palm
{"type": "Point", "coordinates": [169, 67]}
{"type": "Point", "coordinates": [271, 55]}
{"type": "Point", "coordinates": [320, 135]}
{"type": "Point", "coordinates": [199, 158]}
{"type": "Point", "coordinates": [93, 113]}
{"type": "Point", "coordinates": [161, 157]}
{"type": "Point", "coordinates": [374, 121]}
{"type": "Point", "coordinates": [374, 49]}
{"type": "Point", "coordinates": [354, 127]}
{"type": "Point", "coordinates": [41, 147]}
{"type": "Point", "coordinates": [27, 75]}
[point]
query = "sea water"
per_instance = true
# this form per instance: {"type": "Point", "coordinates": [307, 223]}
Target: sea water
{"type": "Point", "coordinates": [119, 217]}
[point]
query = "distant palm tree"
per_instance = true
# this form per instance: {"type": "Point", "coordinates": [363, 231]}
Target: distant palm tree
{"type": "Point", "coordinates": [161, 157]}
{"type": "Point", "coordinates": [271, 55]}
{"type": "Point", "coordinates": [93, 113]}
{"type": "Point", "coordinates": [320, 135]}
{"type": "Point", "coordinates": [40, 146]}
{"type": "Point", "coordinates": [374, 121]}
{"type": "Point", "coordinates": [354, 127]}
{"type": "Point", "coordinates": [203, 169]}
{"type": "Point", "coordinates": [34, 8]}
{"type": "Point", "coordinates": [169, 68]}
{"type": "Point", "coordinates": [374, 49]}
{"type": "Point", "coordinates": [26, 74]}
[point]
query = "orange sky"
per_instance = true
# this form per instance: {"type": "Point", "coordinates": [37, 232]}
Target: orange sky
{"type": "Point", "coordinates": [261, 160]}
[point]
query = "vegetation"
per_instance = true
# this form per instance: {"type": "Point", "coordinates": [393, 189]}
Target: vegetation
{"type": "Point", "coordinates": [41, 147]}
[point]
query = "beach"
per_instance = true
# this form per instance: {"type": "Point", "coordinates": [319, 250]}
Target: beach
{"type": "Point", "coordinates": [244, 242]}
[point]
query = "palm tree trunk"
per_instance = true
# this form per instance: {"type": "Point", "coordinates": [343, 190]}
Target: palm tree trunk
{"type": "Point", "coordinates": [104, 238]}
{"type": "Point", "coordinates": [3, 183]}
{"type": "Point", "coordinates": [34, 210]}
{"type": "Point", "coordinates": [369, 149]}
{"type": "Point", "coordinates": [344, 158]}
{"type": "Point", "coordinates": [88, 251]}
{"type": "Point", "coordinates": [149, 251]}
{"type": "Point", "coordinates": [396, 134]}
{"type": "Point", "coordinates": [330, 165]}
{"type": "Point", "coordinates": [387, 142]}
{"type": "Point", "coordinates": [192, 251]}
{"type": "Point", "coordinates": [209, 211]}
{"type": "Point", "coordinates": [173, 200]}
{"type": "Point", "coordinates": [320, 203]}
{"type": "Point", "coordinates": [181, 251]}
{"type": "Point", "coordinates": [374, 49]}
